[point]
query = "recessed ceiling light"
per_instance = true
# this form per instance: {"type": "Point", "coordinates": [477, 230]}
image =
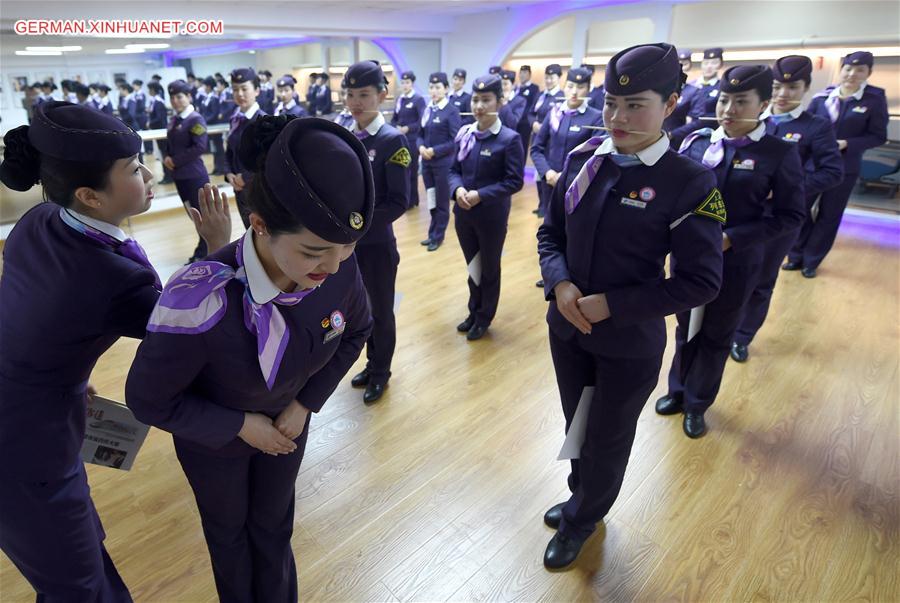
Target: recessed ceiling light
{"type": "Point", "coordinates": [124, 50]}
{"type": "Point", "coordinates": [147, 46]}
{"type": "Point", "coordinates": [39, 53]}
{"type": "Point", "coordinates": [53, 48]}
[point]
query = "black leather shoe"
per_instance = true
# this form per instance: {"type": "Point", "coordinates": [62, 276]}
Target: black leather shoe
{"type": "Point", "coordinates": [361, 379]}
{"type": "Point", "coordinates": [694, 424]}
{"type": "Point", "coordinates": [791, 266]}
{"type": "Point", "coordinates": [465, 325]}
{"type": "Point", "coordinates": [668, 405]}
{"type": "Point", "coordinates": [540, 214]}
{"type": "Point", "coordinates": [433, 246]}
{"type": "Point", "coordinates": [739, 352]}
{"type": "Point", "coordinates": [373, 393]}
{"type": "Point", "coordinates": [539, 284]}
{"type": "Point", "coordinates": [561, 552]}
{"type": "Point", "coordinates": [553, 516]}
{"type": "Point", "coordinates": [808, 272]}
{"type": "Point", "coordinates": [425, 243]}
{"type": "Point", "coordinates": [476, 332]}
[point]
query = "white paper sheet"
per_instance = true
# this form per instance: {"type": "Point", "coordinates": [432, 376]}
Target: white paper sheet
{"type": "Point", "coordinates": [571, 448]}
{"type": "Point", "coordinates": [696, 321]}
{"type": "Point", "coordinates": [431, 198]}
{"type": "Point", "coordinates": [475, 269]}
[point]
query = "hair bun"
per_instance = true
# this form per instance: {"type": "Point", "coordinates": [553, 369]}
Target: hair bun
{"type": "Point", "coordinates": [21, 168]}
{"type": "Point", "coordinates": [259, 137]}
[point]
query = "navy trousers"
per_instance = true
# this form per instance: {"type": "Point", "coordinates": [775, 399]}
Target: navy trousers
{"type": "Point", "coordinates": [437, 176]}
{"type": "Point", "coordinates": [698, 365]}
{"type": "Point", "coordinates": [246, 508]}
{"type": "Point", "coordinates": [52, 533]}
{"type": "Point", "coordinates": [621, 387]}
{"type": "Point", "coordinates": [817, 237]}
{"type": "Point", "coordinates": [757, 307]}
{"type": "Point", "coordinates": [482, 230]}
{"type": "Point", "coordinates": [378, 264]}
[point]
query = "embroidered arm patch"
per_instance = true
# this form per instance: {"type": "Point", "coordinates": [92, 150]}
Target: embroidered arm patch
{"type": "Point", "coordinates": [198, 130]}
{"type": "Point", "coordinates": [401, 157]}
{"type": "Point", "coordinates": [713, 206]}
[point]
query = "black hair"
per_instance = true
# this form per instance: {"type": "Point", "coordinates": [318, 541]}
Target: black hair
{"type": "Point", "coordinates": [154, 87]}
{"type": "Point", "coordinates": [123, 85]}
{"type": "Point", "coordinates": [673, 86]}
{"type": "Point", "coordinates": [257, 139]}
{"type": "Point", "coordinates": [24, 166]}
{"type": "Point", "coordinates": [137, 82]}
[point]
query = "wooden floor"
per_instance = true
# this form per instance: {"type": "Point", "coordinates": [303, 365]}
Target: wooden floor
{"type": "Point", "coordinates": [437, 492]}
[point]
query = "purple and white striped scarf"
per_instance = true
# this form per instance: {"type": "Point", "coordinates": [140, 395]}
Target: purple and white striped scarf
{"type": "Point", "coordinates": [194, 301]}
{"type": "Point", "coordinates": [128, 248]}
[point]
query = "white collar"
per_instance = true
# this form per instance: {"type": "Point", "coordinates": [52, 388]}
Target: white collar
{"type": "Point", "coordinates": [794, 113]}
{"type": "Point", "coordinates": [582, 107]}
{"type": "Point", "coordinates": [262, 289]}
{"type": "Point", "coordinates": [758, 132]}
{"type": "Point", "coordinates": [701, 82]}
{"type": "Point", "coordinates": [373, 127]}
{"type": "Point", "coordinates": [459, 92]}
{"type": "Point", "coordinates": [494, 129]}
{"type": "Point", "coordinates": [104, 227]}
{"type": "Point", "coordinates": [184, 114]}
{"type": "Point", "coordinates": [410, 94]}
{"type": "Point", "coordinates": [290, 105]}
{"type": "Point", "coordinates": [251, 111]}
{"type": "Point", "coordinates": [444, 102]}
{"type": "Point", "coordinates": [857, 95]}
{"type": "Point", "coordinates": [511, 95]}
{"type": "Point", "coordinates": [648, 156]}
{"type": "Point", "coordinates": [552, 90]}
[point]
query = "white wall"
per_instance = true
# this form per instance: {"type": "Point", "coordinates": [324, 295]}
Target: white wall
{"type": "Point", "coordinates": [741, 24]}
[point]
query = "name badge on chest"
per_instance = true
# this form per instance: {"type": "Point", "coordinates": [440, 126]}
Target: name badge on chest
{"type": "Point", "coordinates": [485, 152]}
{"type": "Point", "coordinates": [744, 164]}
{"type": "Point", "coordinates": [409, 105]}
{"type": "Point", "coordinates": [436, 120]}
{"type": "Point", "coordinates": [371, 154]}
{"type": "Point", "coordinates": [336, 322]}
{"type": "Point", "coordinates": [574, 128]}
{"type": "Point", "coordinates": [714, 92]}
{"type": "Point", "coordinates": [457, 103]}
{"type": "Point", "coordinates": [792, 136]}
{"type": "Point", "coordinates": [633, 203]}
{"type": "Point", "coordinates": [860, 109]}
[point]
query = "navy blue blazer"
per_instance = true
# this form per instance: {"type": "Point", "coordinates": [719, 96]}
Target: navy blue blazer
{"type": "Point", "coordinates": [493, 167]}
{"type": "Point", "coordinates": [188, 141]}
{"type": "Point", "coordinates": [390, 171]}
{"type": "Point", "coordinates": [762, 184]}
{"type": "Point", "coordinates": [410, 115]}
{"type": "Point", "coordinates": [439, 133]}
{"type": "Point", "coordinates": [198, 386]}
{"type": "Point", "coordinates": [511, 113]}
{"type": "Point", "coordinates": [64, 300]}
{"type": "Point", "coordinates": [156, 114]}
{"type": "Point", "coordinates": [543, 104]}
{"type": "Point", "coordinates": [822, 163]}
{"type": "Point", "coordinates": [616, 242]}
{"type": "Point", "coordinates": [549, 149]}
{"type": "Point", "coordinates": [530, 92]}
{"type": "Point", "coordinates": [233, 164]}
{"type": "Point", "coordinates": [862, 123]}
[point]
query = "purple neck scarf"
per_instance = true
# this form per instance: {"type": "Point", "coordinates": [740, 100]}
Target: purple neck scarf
{"type": "Point", "coordinates": [194, 301]}
{"type": "Point", "coordinates": [129, 248]}
{"type": "Point", "coordinates": [466, 138]}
